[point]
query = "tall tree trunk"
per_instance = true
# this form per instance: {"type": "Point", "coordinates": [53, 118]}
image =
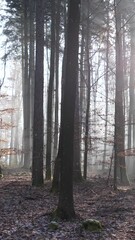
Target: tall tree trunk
{"type": "Point", "coordinates": [77, 175]}
{"type": "Point", "coordinates": [22, 63]}
{"type": "Point", "coordinates": [31, 69]}
{"type": "Point", "coordinates": [106, 88]}
{"type": "Point", "coordinates": [131, 120]}
{"type": "Point", "coordinates": [26, 92]}
{"type": "Point", "coordinates": [86, 142]}
{"type": "Point", "coordinates": [56, 127]}
{"type": "Point", "coordinates": [38, 129]}
{"type": "Point", "coordinates": [56, 174]}
{"type": "Point", "coordinates": [50, 96]}
{"type": "Point", "coordinates": [119, 140]}
{"type": "Point", "coordinates": [65, 205]}
{"type": "Point", "coordinates": [82, 85]}
{"type": "Point", "coordinates": [11, 162]}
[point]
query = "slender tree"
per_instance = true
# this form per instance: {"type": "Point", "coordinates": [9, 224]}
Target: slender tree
{"type": "Point", "coordinates": [26, 92]}
{"type": "Point", "coordinates": [50, 95]}
{"type": "Point", "coordinates": [106, 87]}
{"type": "Point", "coordinates": [56, 174]}
{"type": "Point", "coordinates": [38, 130]}
{"type": "Point", "coordinates": [56, 127]}
{"type": "Point", "coordinates": [31, 65]}
{"type": "Point", "coordinates": [88, 95]}
{"type": "Point", "coordinates": [77, 175]}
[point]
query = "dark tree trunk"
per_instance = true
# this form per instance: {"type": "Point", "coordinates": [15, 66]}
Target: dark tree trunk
{"type": "Point", "coordinates": [131, 120]}
{"type": "Point", "coordinates": [77, 175]}
{"type": "Point", "coordinates": [38, 130]}
{"type": "Point", "coordinates": [26, 92]}
{"type": "Point", "coordinates": [31, 68]}
{"type": "Point", "coordinates": [50, 96]}
{"type": "Point", "coordinates": [88, 100]}
{"type": "Point", "coordinates": [56, 174]}
{"type": "Point", "coordinates": [65, 205]}
{"type": "Point", "coordinates": [119, 163]}
{"type": "Point", "coordinates": [106, 89]}
{"type": "Point", "coordinates": [56, 127]}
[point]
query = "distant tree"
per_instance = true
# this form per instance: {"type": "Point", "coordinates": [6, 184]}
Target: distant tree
{"type": "Point", "coordinates": [38, 130]}
{"type": "Point", "coordinates": [65, 205]}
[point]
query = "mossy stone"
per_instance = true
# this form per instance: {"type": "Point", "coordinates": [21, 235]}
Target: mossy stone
{"type": "Point", "coordinates": [92, 225]}
{"type": "Point", "coordinates": [53, 225]}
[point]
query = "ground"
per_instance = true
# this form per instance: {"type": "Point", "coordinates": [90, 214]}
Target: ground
{"type": "Point", "coordinates": [25, 211]}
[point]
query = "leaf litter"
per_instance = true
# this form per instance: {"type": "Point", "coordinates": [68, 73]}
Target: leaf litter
{"type": "Point", "coordinates": [25, 211]}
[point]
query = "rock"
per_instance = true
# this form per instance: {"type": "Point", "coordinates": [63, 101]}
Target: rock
{"type": "Point", "coordinates": [53, 225]}
{"type": "Point", "coordinates": [92, 225]}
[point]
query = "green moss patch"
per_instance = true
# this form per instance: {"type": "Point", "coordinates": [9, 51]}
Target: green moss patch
{"type": "Point", "coordinates": [53, 225]}
{"type": "Point", "coordinates": [92, 225]}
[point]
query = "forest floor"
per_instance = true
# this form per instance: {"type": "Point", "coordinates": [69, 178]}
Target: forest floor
{"type": "Point", "coordinates": [25, 210]}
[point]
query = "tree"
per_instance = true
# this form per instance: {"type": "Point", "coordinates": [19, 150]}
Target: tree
{"type": "Point", "coordinates": [38, 130]}
{"type": "Point", "coordinates": [32, 65]}
{"type": "Point", "coordinates": [88, 95]}
{"type": "Point", "coordinates": [56, 173]}
{"type": "Point", "coordinates": [56, 124]}
{"type": "Point", "coordinates": [26, 92]}
{"type": "Point", "coordinates": [50, 96]}
{"type": "Point", "coordinates": [65, 207]}
{"type": "Point", "coordinates": [106, 87]}
{"type": "Point", "coordinates": [77, 175]}
{"type": "Point", "coordinates": [119, 140]}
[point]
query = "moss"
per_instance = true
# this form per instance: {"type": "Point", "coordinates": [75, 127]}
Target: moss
{"type": "Point", "coordinates": [92, 225]}
{"type": "Point", "coordinates": [53, 225]}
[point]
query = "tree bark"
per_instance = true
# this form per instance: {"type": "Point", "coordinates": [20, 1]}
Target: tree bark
{"type": "Point", "coordinates": [50, 96]}
{"type": "Point", "coordinates": [56, 126]}
{"type": "Point", "coordinates": [26, 92]}
{"type": "Point", "coordinates": [88, 100]}
{"type": "Point", "coordinates": [38, 129]}
{"type": "Point", "coordinates": [65, 205]}
{"type": "Point", "coordinates": [31, 69]}
{"type": "Point", "coordinates": [119, 141]}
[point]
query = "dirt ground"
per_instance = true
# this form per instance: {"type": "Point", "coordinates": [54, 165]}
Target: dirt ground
{"type": "Point", "coordinates": [25, 210]}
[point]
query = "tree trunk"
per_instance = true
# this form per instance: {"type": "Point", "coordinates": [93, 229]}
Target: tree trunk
{"type": "Point", "coordinates": [86, 142]}
{"type": "Point", "coordinates": [56, 174]}
{"type": "Point", "coordinates": [65, 205]}
{"type": "Point", "coordinates": [31, 69]}
{"type": "Point", "coordinates": [77, 175]}
{"type": "Point", "coordinates": [56, 127]}
{"type": "Point", "coordinates": [119, 140]}
{"type": "Point", "coordinates": [38, 129]}
{"type": "Point", "coordinates": [106, 89]}
{"type": "Point", "coordinates": [131, 120]}
{"type": "Point", "coordinates": [26, 93]}
{"type": "Point", "coordinates": [50, 96]}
